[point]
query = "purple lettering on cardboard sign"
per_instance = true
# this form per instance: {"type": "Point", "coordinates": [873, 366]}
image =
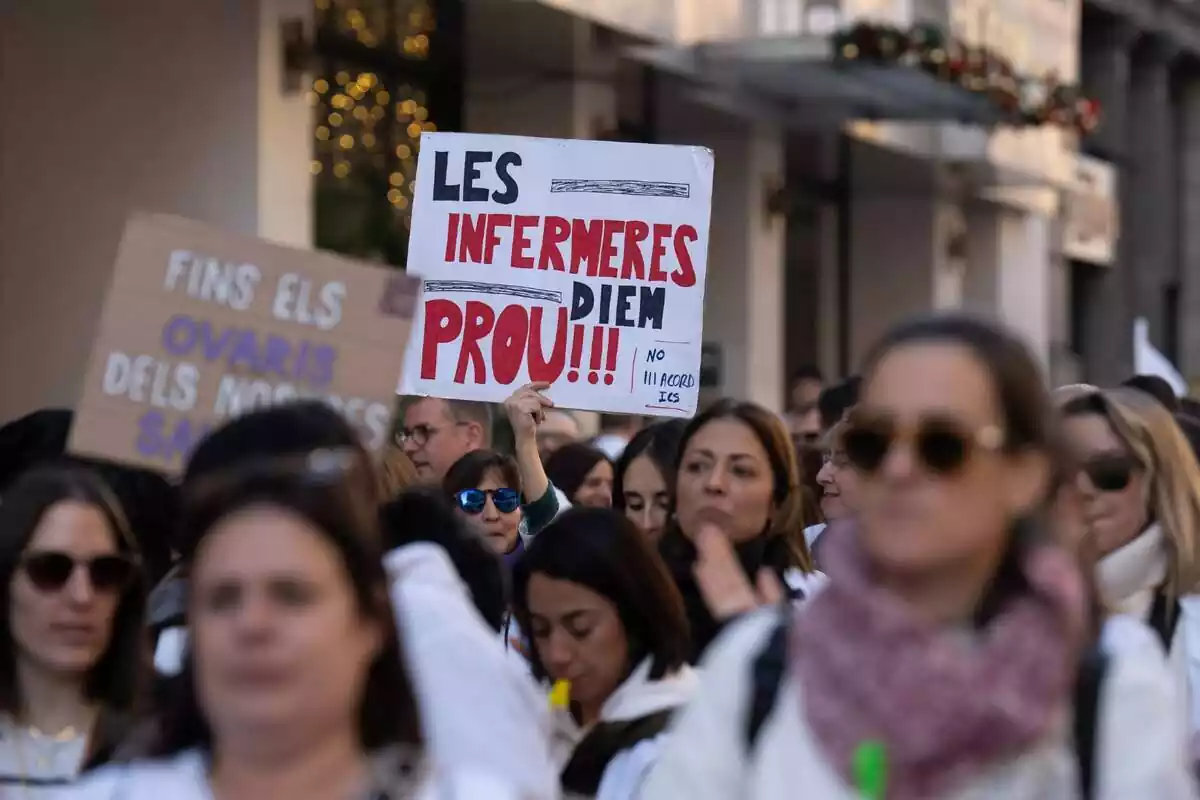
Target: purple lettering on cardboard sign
{"type": "Point", "coordinates": [245, 352]}
{"type": "Point", "coordinates": [214, 345]}
{"type": "Point", "coordinates": [179, 335]}
{"type": "Point", "coordinates": [275, 354]}
{"type": "Point", "coordinates": [248, 350]}
{"type": "Point", "coordinates": [316, 364]}
{"type": "Point", "coordinates": [161, 441]}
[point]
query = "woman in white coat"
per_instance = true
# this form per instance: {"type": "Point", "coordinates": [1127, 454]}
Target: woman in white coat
{"type": "Point", "coordinates": [1139, 487]}
{"type": "Point", "coordinates": [940, 660]}
{"type": "Point", "coordinates": [294, 683]}
{"type": "Point", "coordinates": [603, 615]}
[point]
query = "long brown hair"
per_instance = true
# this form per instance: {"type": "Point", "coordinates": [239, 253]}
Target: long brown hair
{"type": "Point", "coordinates": [115, 682]}
{"type": "Point", "coordinates": [792, 505]}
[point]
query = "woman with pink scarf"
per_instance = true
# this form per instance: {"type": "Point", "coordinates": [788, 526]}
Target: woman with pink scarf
{"type": "Point", "coordinates": [943, 659]}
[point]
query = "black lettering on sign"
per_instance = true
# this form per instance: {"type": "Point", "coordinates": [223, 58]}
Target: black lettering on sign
{"type": "Point", "coordinates": [467, 189]}
{"type": "Point", "coordinates": [629, 306]}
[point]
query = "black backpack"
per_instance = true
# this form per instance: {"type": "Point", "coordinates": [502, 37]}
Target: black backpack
{"type": "Point", "coordinates": [770, 666]}
{"type": "Point", "coordinates": [582, 775]}
{"type": "Point", "coordinates": [1164, 617]}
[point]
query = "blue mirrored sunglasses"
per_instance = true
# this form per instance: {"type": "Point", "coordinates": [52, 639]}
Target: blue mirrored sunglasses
{"type": "Point", "coordinates": [472, 501]}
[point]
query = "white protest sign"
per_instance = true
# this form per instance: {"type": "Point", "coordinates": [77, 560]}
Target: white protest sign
{"type": "Point", "coordinates": [574, 262]}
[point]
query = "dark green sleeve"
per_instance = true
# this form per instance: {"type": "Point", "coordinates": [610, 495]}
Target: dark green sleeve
{"type": "Point", "coordinates": [540, 512]}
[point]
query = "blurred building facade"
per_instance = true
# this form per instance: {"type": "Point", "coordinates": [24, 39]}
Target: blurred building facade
{"type": "Point", "coordinates": [299, 121]}
{"type": "Point", "coordinates": [1142, 60]}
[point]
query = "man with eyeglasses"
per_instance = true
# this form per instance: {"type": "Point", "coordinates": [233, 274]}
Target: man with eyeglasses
{"type": "Point", "coordinates": [439, 432]}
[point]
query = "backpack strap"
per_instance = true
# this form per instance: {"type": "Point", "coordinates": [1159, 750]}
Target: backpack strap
{"type": "Point", "coordinates": [591, 757]}
{"type": "Point", "coordinates": [766, 678]}
{"type": "Point", "coordinates": [1088, 684]}
{"type": "Point", "coordinates": [1164, 617]}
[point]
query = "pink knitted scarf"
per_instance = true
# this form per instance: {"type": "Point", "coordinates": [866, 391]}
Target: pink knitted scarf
{"type": "Point", "coordinates": [943, 705]}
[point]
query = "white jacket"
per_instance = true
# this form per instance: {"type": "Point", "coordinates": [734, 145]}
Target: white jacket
{"type": "Point", "coordinates": [185, 777]}
{"type": "Point", "coordinates": [1127, 579]}
{"type": "Point", "coordinates": [637, 697]}
{"type": "Point", "coordinates": [480, 709]}
{"type": "Point", "coordinates": [1141, 755]}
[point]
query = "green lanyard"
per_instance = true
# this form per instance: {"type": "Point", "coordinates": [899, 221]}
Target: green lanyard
{"type": "Point", "coordinates": [870, 770]}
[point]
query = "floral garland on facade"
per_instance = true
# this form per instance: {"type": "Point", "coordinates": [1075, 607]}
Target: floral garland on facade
{"type": "Point", "coordinates": [1024, 100]}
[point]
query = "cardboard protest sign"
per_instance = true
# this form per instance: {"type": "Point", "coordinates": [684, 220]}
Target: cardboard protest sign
{"type": "Point", "coordinates": [574, 262]}
{"type": "Point", "coordinates": [201, 325]}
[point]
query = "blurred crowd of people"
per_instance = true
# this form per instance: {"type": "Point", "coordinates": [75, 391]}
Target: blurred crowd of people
{"type": "Point", "coordinates": [935, 579]}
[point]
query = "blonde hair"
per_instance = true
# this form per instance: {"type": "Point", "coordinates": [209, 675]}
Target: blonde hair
{"type": "Point", "coordinates": [396, 472]}
{"type": "Point", "coordinates": [1172, 475]}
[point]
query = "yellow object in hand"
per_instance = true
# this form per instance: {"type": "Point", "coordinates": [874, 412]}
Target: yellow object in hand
{"type": "Point", "coordinates": [560, 694]}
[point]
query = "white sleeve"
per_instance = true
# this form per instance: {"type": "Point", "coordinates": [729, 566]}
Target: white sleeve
{"type": "Point", "coordinates": [170, 650]}
{"type": "Point", "coordinates": [1141, 737]}
{"type": "Point", "coordinates": [704, 754]}
{"type": "Point", "coordinates": [1188, 640]}
{"type": "Point", "coordinates": [480, 712]}
{"type": "Point", "coordinates": [627, 771]}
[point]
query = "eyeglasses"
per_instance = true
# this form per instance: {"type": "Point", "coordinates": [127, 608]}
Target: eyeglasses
{"type": "Point", "coordinates": [942, 445]}
{"type": "Point", "coordinates": [49, 570]}
{"type": "Point", "coordinates": [836, 458]}
{"type": "Point", "coordinates": [1109, 473]}
{"type": "Point", "coordinates": [473, 501]}
{"type": "Point", "coordinates": [419, 435]}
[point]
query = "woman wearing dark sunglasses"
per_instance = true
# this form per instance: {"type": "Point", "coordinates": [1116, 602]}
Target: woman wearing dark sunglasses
{"type": "Point", "coordinates": [485, 487]}
{"type": "Point", "coordinates": [71, 647]}
{"type": "Point", "coordinates": [940, 659]}
{"type": "Point", "coordinates": [1138, 485]}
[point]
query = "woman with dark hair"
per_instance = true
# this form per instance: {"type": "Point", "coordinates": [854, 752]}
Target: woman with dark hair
{"type": "Point", "coordinates": [737, 474]}
{"type": "Point", "coordinates": [448, 646]}
{"type": "Point", "coordinates": [583, 473]}
{"type": "Point", "coordinates": [485, 487]}
{"type": "Point", "coordinates": [940, 659]}
{"type": "Point", "coordinates": [294, 682]}
{"type": "Point", "coordinates": [644, 477]}
{"type": "Point", "coordinates": [72, 645]}
{"type": "Point", "coordinates": [508, 500]}
{"type": "Point", "coordinates": [604, 617]}
{"type": "Point", "coordinates": [285, 430]}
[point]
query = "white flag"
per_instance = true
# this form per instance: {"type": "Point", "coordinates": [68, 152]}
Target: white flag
{"type": "Point", "coordinates": [1147, 360]}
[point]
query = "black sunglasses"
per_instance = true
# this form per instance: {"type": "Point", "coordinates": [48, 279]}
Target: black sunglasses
{"type": "Point", "coordinates": [49, 570]}
{"type": "Point", "coordinates": [473, 501]}
{"type": "Point", "coordinates": [941, 444]}
{"type": "Point", "coordinates": [1111, 473]}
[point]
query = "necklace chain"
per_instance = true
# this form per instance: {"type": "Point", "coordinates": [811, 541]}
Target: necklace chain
{"type": "Point", "coordinates": [36, 735]}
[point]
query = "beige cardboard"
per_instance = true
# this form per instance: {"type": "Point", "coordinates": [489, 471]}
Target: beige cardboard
{"type": "Point", "coordinates": [150, 425]}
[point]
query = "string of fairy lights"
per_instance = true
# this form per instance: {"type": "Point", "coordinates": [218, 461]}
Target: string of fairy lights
{"type": "Point", "coordinates": [364, 127]}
